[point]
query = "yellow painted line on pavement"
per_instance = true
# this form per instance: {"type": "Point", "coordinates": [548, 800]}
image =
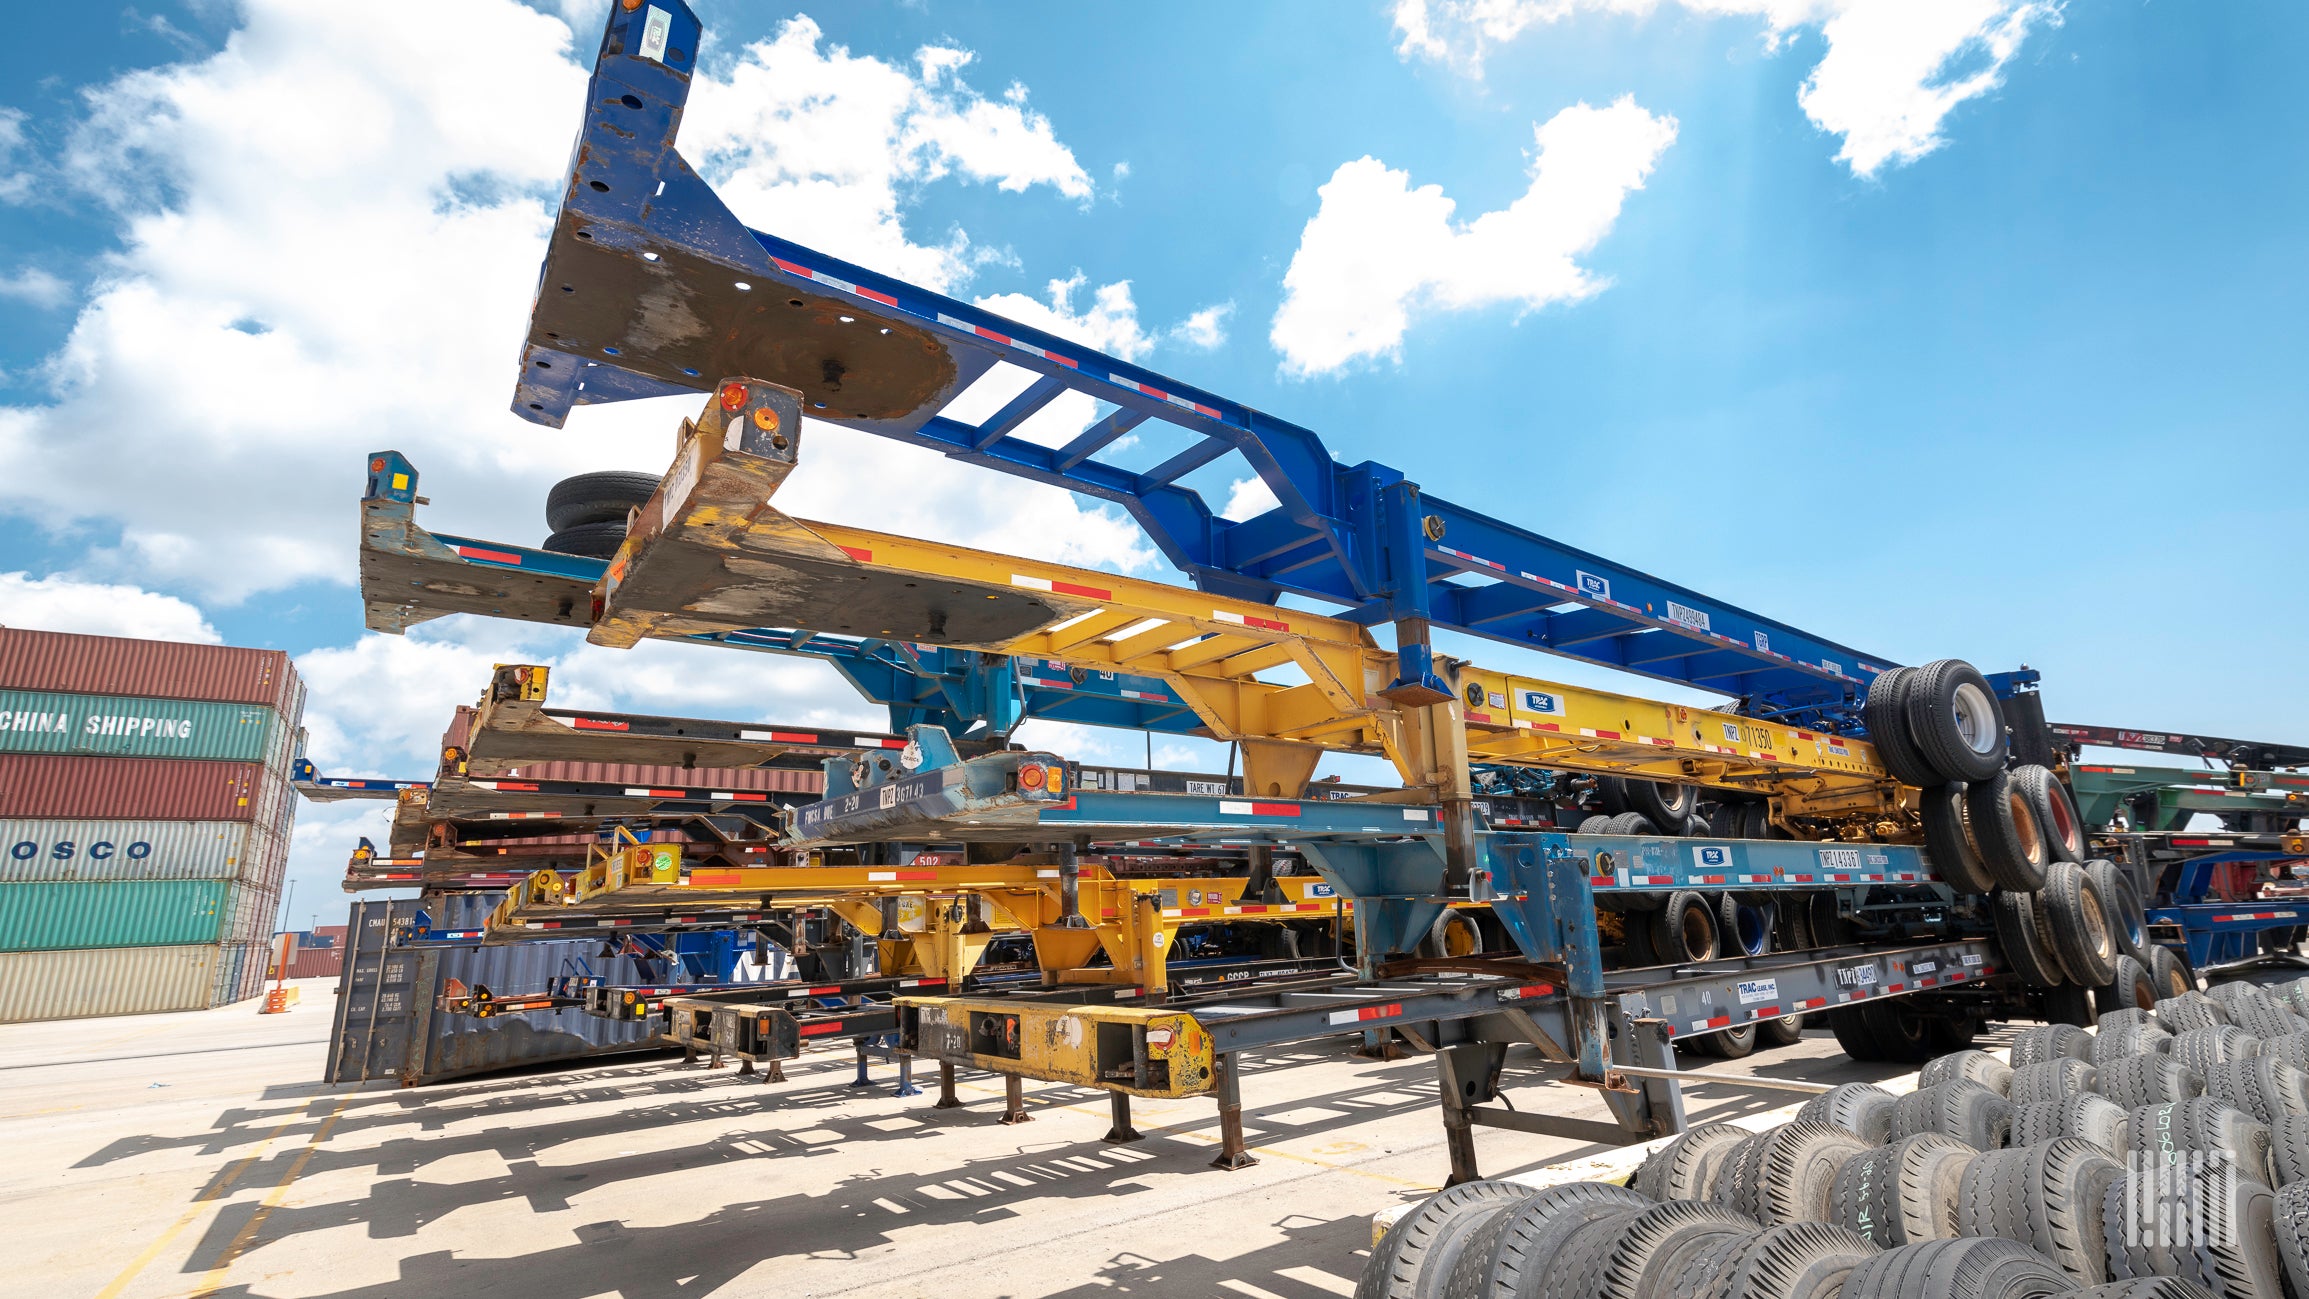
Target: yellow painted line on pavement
{"type": "Point", "coordinates": [215, 1191]}
{"type": "Point", "coordinates": [215, 1278]}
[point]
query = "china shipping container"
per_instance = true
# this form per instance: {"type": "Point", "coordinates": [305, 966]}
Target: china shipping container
{"type": "Point", "coordinates": [117, 665]}
{"type": "Point", "coordinates": [107, 981]}
{"type": "Point", "coordinates": [118, 725]}
{"type": "Point", "coordinates": [39, 852]}
{"type": "Point", "coordinates": [133, 913]}
{"type": "Point", "coordinates": [42, 787]}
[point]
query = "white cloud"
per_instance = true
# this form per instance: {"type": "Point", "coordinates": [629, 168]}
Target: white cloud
{"type": "Point", "coordinates": [36, 286]}
{"type": "Point", "coordinates": [1377, 250]}
{"type": "Point", "coordinates": [15, 186]}
{"type": "Point", "coordinates": [364, 265]}
{"type": "Point", "coordinates": [1205, 329]}
{"type": "Point", "coordinates": [1892, 72]}
{"type": "Point", "coordinates": [58, 603]}
{"type": "Point", "coordinates": [1248, 498]}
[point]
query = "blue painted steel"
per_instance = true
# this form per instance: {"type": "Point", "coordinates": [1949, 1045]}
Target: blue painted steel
{"type": "Point", "coordinates": [1363, 536]}
{"type": "Point", "coordinates": [2216, 932]}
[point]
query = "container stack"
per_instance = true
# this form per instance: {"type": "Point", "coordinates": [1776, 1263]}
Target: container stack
{"type": "Point", "coordinates": [145, 812]}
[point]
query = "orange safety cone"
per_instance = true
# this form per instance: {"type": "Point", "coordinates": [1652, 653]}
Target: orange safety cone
{"type": "Point", "coordinates": [277, 999]}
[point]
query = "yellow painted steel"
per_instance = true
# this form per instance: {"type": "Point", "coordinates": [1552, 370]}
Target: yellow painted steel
{"type": "Point", "coordinates": [1251, 672]}
{"type": "Point", "coordinates": [1096, 1046]}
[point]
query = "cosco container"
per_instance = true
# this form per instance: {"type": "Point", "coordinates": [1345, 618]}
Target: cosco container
{"type": "Point", "coordinates": [49, 722]}
{"type": "Point", "coordinates": [114, 913]}
{"type": "Point", "coordinates": [107, 981]}
{"type": "Point", "coordinates": [117, 665]}
{"type": "Point", "coordinates": [44, 786]}
{"type": "Point", "coordinates": [41, 852]}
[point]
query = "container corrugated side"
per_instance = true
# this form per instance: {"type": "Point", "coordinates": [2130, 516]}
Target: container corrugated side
{"type": "Point", "coordinates": [113, 913]}
{"type": "Point", "coordinates": [42, 787]}
{"type": "Point", "coordinates": [35, 721]}
{"type": "Point", "coordinates": [240, 972]}
{"type": "Point", "coordinates": [119, 665]}
{"type": "Point", "coordinates": [110, 981]}
{"type": "Point", "coordinates": [251, 909]}
{"type": "Point", "coordinates": [38, 852]}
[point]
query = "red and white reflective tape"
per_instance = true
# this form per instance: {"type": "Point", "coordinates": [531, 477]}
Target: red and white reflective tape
{"type": "Point", "coordinates": [1367, 1013]}
{"type": "Point", "coordinates": [1059, 588]}
{"type": "Point", "coordinates": [820, 277]}
{"type": "Point", "coordinates": [1472, 559]}
{"type": "Point", "coordinates": [1250, 620]}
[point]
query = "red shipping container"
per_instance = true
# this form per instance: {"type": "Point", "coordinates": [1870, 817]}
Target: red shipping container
{"type": "Point", "coordinates": [132, 789]}
{"type": "Point", "coordinates": [152, 669]}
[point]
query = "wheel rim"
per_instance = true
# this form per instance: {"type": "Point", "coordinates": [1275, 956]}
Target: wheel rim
{"type": "Point", "coordinates": [2063, 822]}
{"type": "Point", "coordinates": [2097, 931]}
{"type": "Point", "coordinates": [2024, 823]}
{"type": "Point", "coordinates": [1457, 940]}
{"type": "Point", "coordinates": [1697, 934]}
{"type": "Point", "coordinates": [1974, 710]}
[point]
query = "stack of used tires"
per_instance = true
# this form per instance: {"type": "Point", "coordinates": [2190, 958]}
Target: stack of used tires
{"type": "Point", "coordinates": [2067, 924]}
{"type": "Point", "coordinates": [2165, 1156]}
{"type": "Point", "coordinates": [587, 513]}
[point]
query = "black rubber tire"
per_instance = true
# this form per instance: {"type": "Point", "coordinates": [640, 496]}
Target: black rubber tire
{"type": "Point", "coordinates": [1594, 825]}
{"type": "Point", "coordinates": [1885, 713]}
{"type": "Point", "coordinates": [1741, 929]}
{"type": "Point", "coordinates": [2266, 1019]}
{"type": "Point", "coordinates": [1684, 930]}
{"type": "Point", "coordinates": [2067, 1004]}
{"type": "Point", "coordinates": [2131, 989]}
{"type": "Point", "coordinates": [2171, 971]}
{"type": "Point", "coordinates": [2124, 1018]}
{"type": "Point", "coordinates": [1964, 1110]}
{"type": "Point", "coordinates": [1412, 1259]}
{"type": "Point", "coordinates": [1736, 1181]}
{"type": "Point", "coordinates": [2005, 833]}
{"type": "Point", "coordinates": [1862, 1109]}
{"type": "Point", "coordinates": [1797, 1169]}
{"type": "Point", "coordinates": [1656, 1244]}
{"type": "Point", "coordinates": [1779, 1031]}
{"type": "Point", "coordinates": [2074, 915]}
{"type": "Point", "coordinates": [1899, 1194]}
{"type": "Point", "coordinates": [1950, 1032]}
{"type": "Point", "coordinates": [2141, 1080]}
{"type": "Point", "coordinates": [2118, 1041]}
{"type": "Point", "coordinates": [1521, 1250]}
{"type": "Point", "coordinates": [1973, 1066]}
{"type": "Point", "coordinates": [1959, 1269]}
{"type": "Point", "coordinates": [2202, 1048]}
{"type": "Point", "coordinates": [2054, 1080]}
{"type": "Point", "coordinates": [1611, 795]}
{"type": "Point", "coordinates": [2296, 996]}
{"type": "Point", "coordinates": [2169, 1134]}
{"type": "Point", "coordinates": [2048, 1042]}
{"type": "Point", "coordinates": [1933, 699]}
{"type": "Point", "coordinates": [2289, 1150]}
{"type": "Point", "coordinates": [1452, 930]}
{"type": "Point", "coordinates": [1631, 823]}
{"type": "Point", "coordinates": [1662, 802]}
{"type": "Point", "coordinates": [1735, 1043]}
{"type": "Point", "coordinates": [2289, 1213]}
{"type": "Point", "coordinates": [2145, 1287]}
{"type": "Point", "coordinates": [2190, 1011]}
{"type": "Point", "coordinates": [2056, 814]}
{"type": "Point", "coordinates": [1636, 942]}
{"type": "Point", "coordinates": [1577, 1270]}
{"type": "Point", "coordinates": [2292, 1049]}
{"type": "Point", "coordinates": [2045, 1196]}
{"type": "Point", "coordinates": [1948, 842]}
{"type": "Point", "coordinates": [590, 540]}
{"type": "Point", "coordinates": [2124, 905]}
{"type": "Point", "coordinates": [602, 497]}
{"type": "Point", "coordinates": [2016, 933]}
{"type": "Point", "coordinates": [1856, 1035]}
{"type": "Point", "coordinates": [1825, 915]}
{"type": "Point", "coordinates": [2084, 1115]}
{"type": "Point", "coordinates": [2264, 1088]}
{"type": "Point", "coordinates": [1686, 1167]}
{"type": "Point", "coordinates": [1802, 1260]}
{"type": "Point", "coordinates": [1901, 1033]}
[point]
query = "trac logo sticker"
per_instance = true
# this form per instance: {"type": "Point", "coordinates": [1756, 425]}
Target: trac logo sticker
{"type": "Point", "coordinates": [1596, 588]}
{"type": "Point", "coordinates": [1763, 643]}
{"type": "Point", "coordinates": [1711, 857]}
{"type": "Point", "coordinates": [1539, 701]}
{"type": "Point", "coordinates": [1755, 991]}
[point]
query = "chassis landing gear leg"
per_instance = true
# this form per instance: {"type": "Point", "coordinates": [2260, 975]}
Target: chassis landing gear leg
{"type": "Point", "coordinates": [861, 1080]}
{"type": "Point", "coordinates": [745, 1068]}
{"type": "Point", "coordinates": [775, 1073]}
{"type": "Point", "coordinates": [945, 1099]}
{"type": "Point", "coordinates": [1014, 1100]}
{"type": "Point", "coordinates": [1463, 1076]}
{"type": "Point", "coordinates": [1119, 1103]}
{"type": "Point", "coordinates": [1232, 1155]}
{"type": "Point", "coordinates": [906, 1085]}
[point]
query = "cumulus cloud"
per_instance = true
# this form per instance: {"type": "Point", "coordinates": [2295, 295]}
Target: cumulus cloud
{"type": "Point", "coordinates": [1205, 329]}
{"type": "Point", "coordinates": [38, 287]}
{"type": "Point", "coordinates": [362, 268]}
{"type": "Point", "coordinates": [1248, 498]}
{"type": "Point", "coordinates": [58, 603]}
{"type": "Point", "coordinates": [15, 184]}
{"type": "Point", "coordinates": [1379, 251]}
{"type": "Point", "coordinates": [1892, 71]}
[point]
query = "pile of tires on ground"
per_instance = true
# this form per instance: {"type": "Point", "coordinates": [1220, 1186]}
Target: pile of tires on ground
{"type": "Point", "coordinates": [2165, 1156]}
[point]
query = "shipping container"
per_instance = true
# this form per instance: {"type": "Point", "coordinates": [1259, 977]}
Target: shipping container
{"type": "Point", "coordinates": [43, 787]}
{"type": "Point", "coordinates": [110, 981]}
{"type": "Point", "coordinates": [47, 722]}
{"type": "Point", "coordinates": [241, 972]}
{"type": "Point", "coordinates": [116, 665]}
{"type": "Point", "coordinates": [117, 913]}
{"type": "Point", "coordinates": [41, 852]}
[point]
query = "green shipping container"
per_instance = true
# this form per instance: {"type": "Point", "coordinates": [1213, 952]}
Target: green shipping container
{"type": "Point", "coordinates": [114, 913]}
{"type": "Point", "coordinates": [35, 722]}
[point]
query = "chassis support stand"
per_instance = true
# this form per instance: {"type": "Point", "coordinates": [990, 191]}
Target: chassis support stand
{"type": "Point", "coordinates": [946, 1100]}
{"type": "Point", "coordinates": [1232, 1154]}
{"type": "Point", "coordinates": [906, 1085]}
{"type": "Point", "coordinates": [1464, 1077]}
{"type": "Point", "coordinates": [1119, 1104]}
{"type": "Point", "coordinates": [1014, 1100]}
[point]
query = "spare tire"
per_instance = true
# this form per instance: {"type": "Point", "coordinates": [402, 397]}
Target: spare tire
{"type": "Point", "coordinates": [2056, 816]}
{"type": "Point", "coordinates": [2005, 833]}
{"type": "Point", "coordinates": [1664, 802]}
{"type": "Point", "coordinates": [2172, 974]}
{"type": "Point", "coordinates": [591, 540]}
{"type": "Point", "coordinates": [1954, 720]}
{"type": "Point", "coordinates": [2124, 906]}
{"type": "Point", "coordinates": [2054, 1080]}
{"type": "Point", "coordinates": [1631, 823]}
{"type": "Point", "coordinates": [2047, 1196]}
{"type": "Point", "coordinates": [1972, 1268]}
{"type": "Point", "coordinates": [2142, 1080]}
{"type": "Point", "coordinates": [2016, 934]}
{"type": "Point", "coordinates": [1656, 1244]}
{"type": "Point", "coordinates": [1948, 842]}
{"type": "Point", "coordinates": [1684, 931]}
{"type": "Point", "coordinates": [1741, 930]}
{"type": "Point", "coordinates": [1528, 1237]}
{"type": "Point", "coordinates": [2178, 1133]}
{"type": "Point", "coordinates": [1797, 1169]}
{"type": "Point", "coordinates": [602, 497]}
{"type": "Point", "coordinates": [1885, 713]}
{"type": "Point", "coordinates": [2118, 1041]}
{"type": "Point", "coordinates": [2202, 1048]}
{"type": "Point", "coordinates": [1900, 1194]}
{"type": "Point", "coordinates": [1964, 1110]}
{"type": "Point", "coordinates": [1862, 1109]}
{"type": "Point", "coordinates": [2188, 1011]}
{"type": "Point", "coordinates": [1686, 1168]}
{"type": "Point", "coordinates": [2131, 989]}
{"type": "Point", "coordinates": [1802, 1260]}
{"type": "Point", "coordinates": [2048, 1042]}
{"type": "Point", "coordinates": [1973, 1066]}
{"type": "Point", "coordinates": [1594, 825]}
{"type": "Point", "coordinates": [2289, 1149]}
{"type": "Point", "coordinates": [2074, 917]}
{"type": "Point", "coordinates": [1415, 1255]}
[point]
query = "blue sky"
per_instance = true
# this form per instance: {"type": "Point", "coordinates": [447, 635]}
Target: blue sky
{"type": "Point", "coordinates": [1974, 333]}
